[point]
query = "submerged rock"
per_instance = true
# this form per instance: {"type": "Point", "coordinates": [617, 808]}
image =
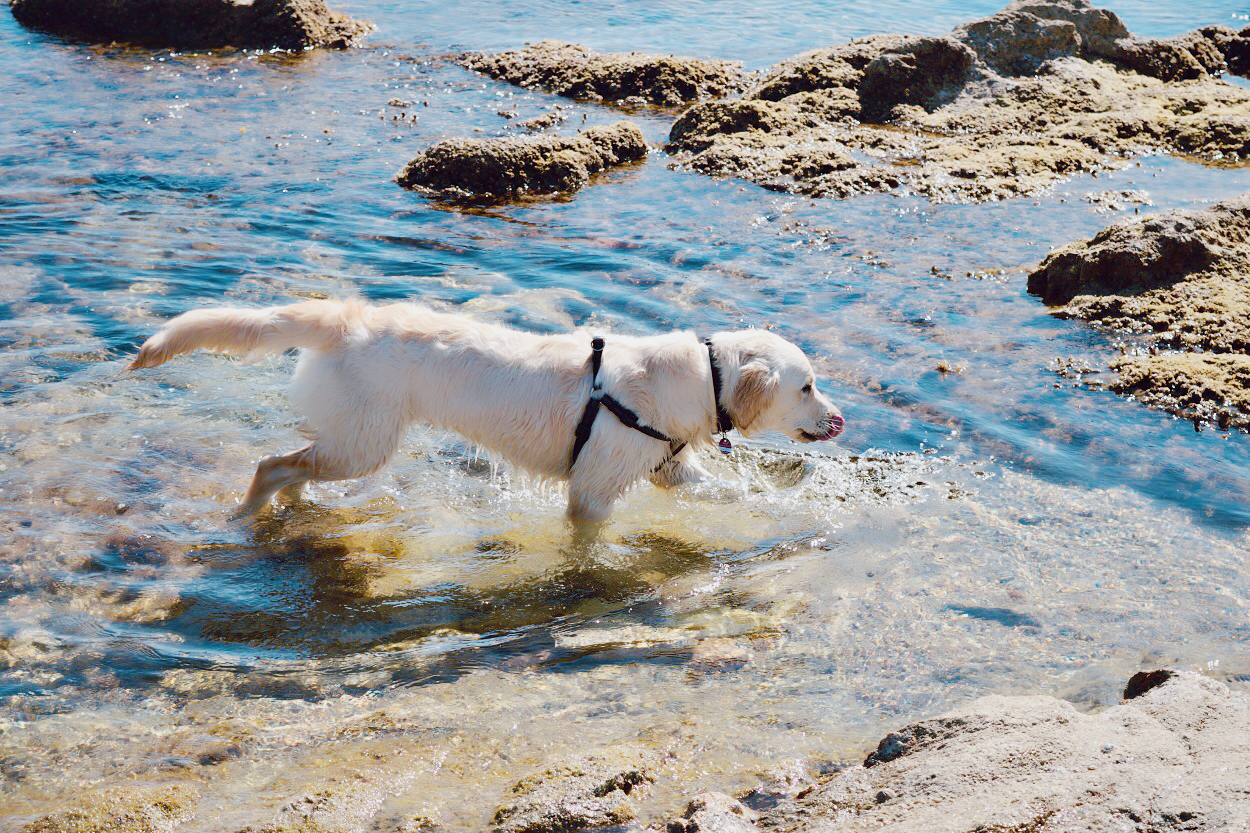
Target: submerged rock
{"type": "Point", "coordinates": [1172, 759]}
{"type": "Point", "coordinates": [151, 809]}
{"type": "Point", "coordinates": [617, 77]}
{"type": "Point", "coordinates": [1179, 280]}
{"type": "Point", "coordinates": [715, 813]}
{"type": "Point", "coordinates": [195, 24]}
{"type": "Point", "coordinates": [588, 791]}
{"type": "Point", "coordinates": [496, 170]}
{"type": "Point", "coordinates": [1001, 107]}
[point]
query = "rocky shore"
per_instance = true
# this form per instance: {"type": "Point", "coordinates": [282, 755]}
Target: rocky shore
{"type": "Point", "coordinates": [195, 24]}
{"type": "Point", "coordinates": [1001, 107]}
{"type": "Point", "coordinates": [1176, 284]}
{"type": "Point", "coordinates": [1172, 756]}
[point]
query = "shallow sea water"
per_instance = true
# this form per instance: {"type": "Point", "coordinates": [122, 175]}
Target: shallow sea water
{"type": "Point", "coordinates": [993, 529]}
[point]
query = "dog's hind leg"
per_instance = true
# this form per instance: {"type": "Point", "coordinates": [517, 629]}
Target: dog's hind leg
{"type": "Point", "coordinates": [332, 456]}
{"type": "Point", "coordinates": [286, 474]}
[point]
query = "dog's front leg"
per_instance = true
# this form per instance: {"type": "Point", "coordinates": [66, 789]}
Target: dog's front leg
{"type": "Point", "coordinates": [684, 468]}
{"type": "Point", "coordinates": [590, 503]}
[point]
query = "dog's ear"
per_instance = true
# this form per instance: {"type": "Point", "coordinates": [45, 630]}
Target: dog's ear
{"type": "Point", "coordinates": [757, 385]}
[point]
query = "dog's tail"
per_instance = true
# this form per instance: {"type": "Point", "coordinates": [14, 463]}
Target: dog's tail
{"type": "Point", "coordinates": [250, 332]}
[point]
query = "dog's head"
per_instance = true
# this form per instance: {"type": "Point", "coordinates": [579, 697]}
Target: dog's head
{"type": "Point", "coordinates": [768, 385]}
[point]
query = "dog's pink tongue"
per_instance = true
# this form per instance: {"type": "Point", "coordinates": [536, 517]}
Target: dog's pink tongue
{"type": "Point", "coordinates": [836, 424]}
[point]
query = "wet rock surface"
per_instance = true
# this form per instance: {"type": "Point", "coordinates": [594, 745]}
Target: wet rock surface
{"type": "Point", "coordinates": [1175, 281]}
{"type": "Point", "coordinates": [620, 77]}
{"type": "Point", "coordinates": [585, 792]}
{"type": "Point", "coordinates": [1171, 759]}
{"type": "Point", "coordinates": [496, 170]}
{"type": "Point", "coordinates": [1001, 107]}
{"type": "Point", "coordinates": [195, 24]}
{"type": "Point", "coordinates": [715, 813]}
{"type": "Point", "coordinates": [148, 809]}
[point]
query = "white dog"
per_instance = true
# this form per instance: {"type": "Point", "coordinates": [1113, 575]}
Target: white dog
{"type": "Point", "coordinates": [365, 373]}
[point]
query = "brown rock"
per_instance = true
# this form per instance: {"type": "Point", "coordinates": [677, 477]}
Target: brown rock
{"type": "Point", "coordinates": [926, 72]}
{"type": "Point", "coordinates": [1206, 387]}
{"type": "Point", "coordinates": [957, 130]}
{"type": "Point", "coordinates": [1129, 256]}
{"type": "Point", "coordinates": [195, 24]}
{"type": "Point", "coordinates": [494, 170]}
{"type": "Point", "coordinates": [714, 812]}
{"type": "Point", "coordinates": [822, 69]}
{"type": "Point", "coordinates": [1179, 280]}
{"type": "Point", "coordinates": [575, 71]}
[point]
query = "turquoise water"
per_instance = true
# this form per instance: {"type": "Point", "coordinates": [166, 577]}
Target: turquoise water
{"type": "Point", "coordinates": [858, 574]}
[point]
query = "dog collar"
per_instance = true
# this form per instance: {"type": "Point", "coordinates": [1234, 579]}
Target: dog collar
{"type": "Point", "coordinates": [724, 422]}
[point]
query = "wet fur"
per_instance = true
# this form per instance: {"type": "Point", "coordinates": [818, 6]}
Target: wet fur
{"type": "Point", "coordinates": [366, 373]}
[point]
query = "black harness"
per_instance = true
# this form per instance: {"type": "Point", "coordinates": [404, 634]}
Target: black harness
{"type": "Point", "coordinates": [630, 419]}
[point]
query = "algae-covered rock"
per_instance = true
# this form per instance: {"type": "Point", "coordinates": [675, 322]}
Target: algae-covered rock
{"type": "Point", "coordinates": [147, 809]}
{"type": "Point", "coordinates": [587, 791]}
{"type": "Point", "coordinates": [573, 70]}
{"type": "Point", "coordinates": [1173, 759]}
{"type": "Point", "coordinates": [494, 170]}
{"type": "Point", "coordinates": [195, 24]}
{"type": "Point", "coordinates": [1002, 107]}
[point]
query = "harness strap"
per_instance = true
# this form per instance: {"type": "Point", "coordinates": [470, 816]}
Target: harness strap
{"type": "Point", "coordinates": [724, 422]}
{"type": "Point", "coordinates": [582, 434]}
{"type": "Point", "coordinates": [627, 417]}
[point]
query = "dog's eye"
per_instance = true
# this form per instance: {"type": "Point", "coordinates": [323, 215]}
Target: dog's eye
{"type": "Point", "coordinates": [807, 388]}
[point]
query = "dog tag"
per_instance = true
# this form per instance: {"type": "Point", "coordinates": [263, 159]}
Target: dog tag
{"type": "Point", "coordinates": [725, 446]}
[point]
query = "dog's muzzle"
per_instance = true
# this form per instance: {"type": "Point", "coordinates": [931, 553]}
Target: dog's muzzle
{"type": "Point", "coordinates": [836, 424]}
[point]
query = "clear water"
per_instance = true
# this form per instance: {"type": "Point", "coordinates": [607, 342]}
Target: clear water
{"type": "Point", "coordinates": [995, 529]}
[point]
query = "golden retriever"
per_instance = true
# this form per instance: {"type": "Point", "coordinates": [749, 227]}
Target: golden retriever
{"type": "Point", "coordinates": [365, 373]}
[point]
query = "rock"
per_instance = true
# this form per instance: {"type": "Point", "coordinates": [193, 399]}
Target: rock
{"type": "Point", "coordinates": [1143, 681]}
{"type": "Point", "coordinates": [822, 69]}
{"type": "Point", "coordinates": [1169, 60]}
{"type": "Point", "coordinates": [1236, 51]}
{"type": "Point", "coordinates": [1204, 387]}
{"type": "Point", "coordinates": [926, 72]}
{"type": "Point", "coordinates": [1026, 35]}
{"type": "Point", "coordinates": [714, 812]}
{"type": "Point", "coordinates": [1002, 107]}
{"type": "Point", "coordinates": [149, 809]}
{"type": "Point", "coordinates": [496, 170]}
{"type": "Point", "coordinates": [619, 77]}
{"type": "Point", "coordinates": [1175, 758]}
{"type": "Point", "coordinates": [1132, 255]}
{"type": "Point", "coordinates": [1179, 280]}
{"type": "Point", "coordinates": [588, 791]}
{"type": "Point", "coordinates": [195, 24]}
{"type": "Point", "coordinates": [698, 127]}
